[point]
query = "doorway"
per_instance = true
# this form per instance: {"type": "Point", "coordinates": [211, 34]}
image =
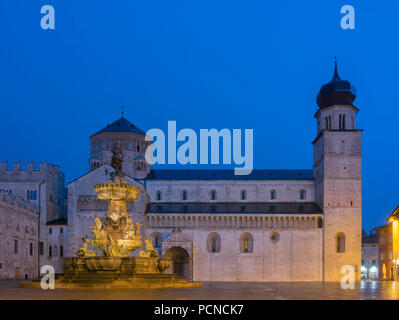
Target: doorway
{"type": "Point", "coordinates": [180, 261]}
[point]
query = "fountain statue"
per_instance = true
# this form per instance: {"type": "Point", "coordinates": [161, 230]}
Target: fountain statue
{"type": "Point", "coordinates": [117, 237]}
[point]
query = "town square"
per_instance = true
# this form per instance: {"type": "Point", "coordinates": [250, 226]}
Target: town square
{"type": "Point", "coordinates": [148, 153]}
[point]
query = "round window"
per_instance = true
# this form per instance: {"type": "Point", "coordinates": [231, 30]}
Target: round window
{"type": "Point", "coordinates": [275, 237]}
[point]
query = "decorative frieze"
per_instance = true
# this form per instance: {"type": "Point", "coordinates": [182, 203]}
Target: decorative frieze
{"type": "Point", "coordinates": [258, 221]}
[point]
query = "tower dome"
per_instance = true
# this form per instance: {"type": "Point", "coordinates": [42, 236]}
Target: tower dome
{"type": "Point", "coordinates": [336, 92]}
{"type": "Point", "coordinates": [131, 140]}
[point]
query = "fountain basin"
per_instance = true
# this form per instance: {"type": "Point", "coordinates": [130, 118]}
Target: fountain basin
{"type": "Point", "coordinates": [103, 263]}
{"type": "Point", "coordinates": [117, 191]}
{"type": "Point", "coordinates": [126, 245]}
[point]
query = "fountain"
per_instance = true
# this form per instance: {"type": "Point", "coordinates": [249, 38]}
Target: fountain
{"type": "Point", "coordinates": [117, 237]}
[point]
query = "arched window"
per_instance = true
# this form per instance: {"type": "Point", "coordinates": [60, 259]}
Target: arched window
{"type": "Point", "coordinates": [342, 123]}
{"type": "Point", "coordinates": [213, 242]}
{"type": "Point", "coordinates": [61, 251]}
{"type": "Point", "coordinates": [302, 194]}
{"type": "Point", "coordinates": [246, 243]}
{"type": "Point", "coordinates": [243, 195]}
{"type": "Point", "coordinates": [184, 195]}
{"type": "Point", "coordinates": [158, 195]}
{"type": "Point", "coordinates": [27, 195]}
{"type": "Point", "coordinates": [328, 122]}
{"type": "Point", "coordinates": [340, 242]}
{"type": "Point", "coordinates": [213, 195]}
{"type": "Point", "coordinates": [35, 195]}
{"type": "Point", "coordinates": [319, 222]}
{"type": "Point", "coordinates": [55, 251]}
{"type": "Point", "coordinates": [50, 251]}
{"type": "Point", "coordinates": [273, 194]}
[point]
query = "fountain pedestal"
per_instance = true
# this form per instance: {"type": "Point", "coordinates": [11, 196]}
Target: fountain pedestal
{"type": "Point", "coordinates": [115, 273]}
{"type": "Point", "coordinates": [121, 266]}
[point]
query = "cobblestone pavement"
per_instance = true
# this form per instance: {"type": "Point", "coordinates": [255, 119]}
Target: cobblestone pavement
{"type": "Point", "coordinates": [216, 290]}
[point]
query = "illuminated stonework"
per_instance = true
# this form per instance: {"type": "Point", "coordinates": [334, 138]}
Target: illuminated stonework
{"type": "Point", "coordinates": [117, 236]}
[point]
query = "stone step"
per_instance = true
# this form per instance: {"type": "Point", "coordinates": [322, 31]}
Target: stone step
{"type": "Point", "coordinates": [119, 281]}
{"type": "Point", "coordinates": [83, 279]}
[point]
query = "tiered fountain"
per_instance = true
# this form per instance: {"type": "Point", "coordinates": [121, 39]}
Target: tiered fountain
{"type": "Point", "coordinates": [116, 236]}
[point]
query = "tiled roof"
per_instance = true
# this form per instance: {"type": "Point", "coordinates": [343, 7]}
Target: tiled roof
{"type": "Point", "coordinates": [205, 174]}
{"type": "Point", "coordinates": [228, 207]}
{"type": "Point", "coordinates": [121, 125]}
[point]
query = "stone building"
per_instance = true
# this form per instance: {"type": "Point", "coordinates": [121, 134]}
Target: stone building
{"type": "Point", "coordinates": [386, 265]}
{"type": "Point", "coordinates": [43, 186]}
{"type": "Point", "coordinates": [394, 219]}
{"type": "Point", "coordinates": [388, 241]}
{"type": "Point", "coordinates": [56, 242]}
{"type": "Point", "coordinates": [369, 268]}
{"type": "Point", "coordinates": [18, 237]}
{"type": "Point", "coordinates": [271, 225]}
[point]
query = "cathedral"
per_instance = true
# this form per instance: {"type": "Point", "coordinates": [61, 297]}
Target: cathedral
{"type": "Point", "coordinates": [270, 225]}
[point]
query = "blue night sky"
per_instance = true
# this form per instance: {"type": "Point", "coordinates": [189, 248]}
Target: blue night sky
{"type": "Point", "coordinates": [206, 64]}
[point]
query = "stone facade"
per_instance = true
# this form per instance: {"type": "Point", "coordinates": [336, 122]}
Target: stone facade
{"type": "Point", "coordinates": [43, 185]}
{"type": "Point", "coordinates": [338, 180]}
{"type": "Point", "coordinates": [272, 225]}
{"type": "Point", "coordinates": [57, 231]}
{"type": "Point", "coordinates": [385, 250]}
{"type": "Point", "coordinates": [19, 222]}
{"type": "Point", "coordinates": [275, 225]}
{"type": "Point", "coordinates": [276, 253]}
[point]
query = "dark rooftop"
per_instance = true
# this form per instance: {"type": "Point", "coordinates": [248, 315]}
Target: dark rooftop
{"type": "Point", "coordinates": [388, 225]}
{"type": "Point", "coordinates": [121, 125]}
{"type": "Point", "coordinates": [336, 92]}
{"type": "Point", "coordinates": [394, 215]}
{"type": "Point", "coordinates": [205, 174]}
{"type": "Point", "coordinates": [372, 237]}
{"type": "Point", "coordinates": [228, 207]}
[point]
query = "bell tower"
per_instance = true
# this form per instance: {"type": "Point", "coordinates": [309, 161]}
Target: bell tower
{"type": "Point", "coordinates": [130, 139]}
{"type": "Point", "coordinates": [338, 176]}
